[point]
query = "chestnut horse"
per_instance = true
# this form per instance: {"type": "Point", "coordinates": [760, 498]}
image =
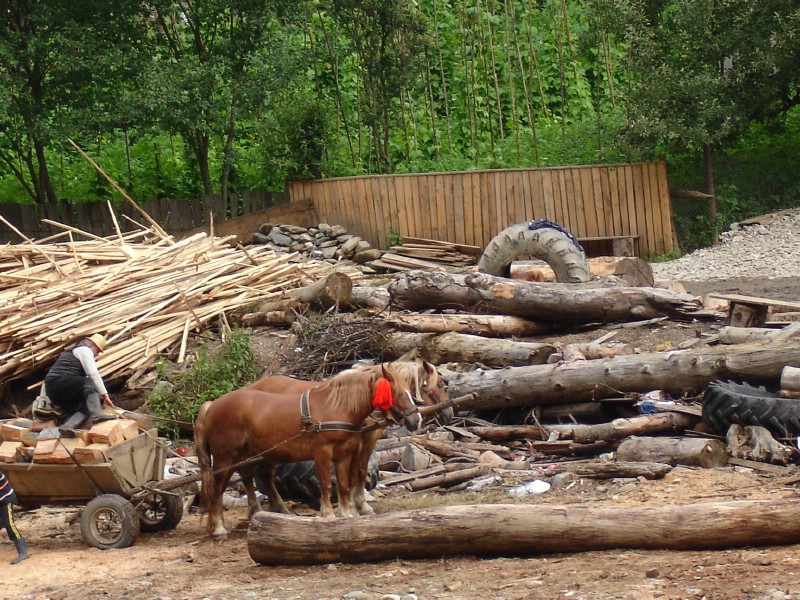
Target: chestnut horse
{"type": "Point", "coordinates": [427, 387]}
{"type": "Point", "coordinates": [246, 426]}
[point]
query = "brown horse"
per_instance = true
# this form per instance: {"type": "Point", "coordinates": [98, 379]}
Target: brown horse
{"type": "Point", "coordinates": [323, 425]}
{"type": "Point", "coordinates": [427, 387]}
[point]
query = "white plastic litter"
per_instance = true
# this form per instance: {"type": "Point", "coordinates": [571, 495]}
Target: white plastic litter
{"type": "Point", "coordinates": [537, 486]}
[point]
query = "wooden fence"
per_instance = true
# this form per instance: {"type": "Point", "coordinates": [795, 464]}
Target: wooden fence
{"type": "Point", "coordinates": [471, 207]}
{"type": "Point", "coordinates": [174, 216]}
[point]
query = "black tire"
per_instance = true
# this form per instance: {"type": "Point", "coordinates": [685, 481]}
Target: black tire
{"type": "Point", "coordinates": [109, 521]}
{"type": "Point", "coordinates": [726, 403]}
{"type": "Point", "coordinates": [160, 512]}
{"type": "Point", "coordinates": [550, 243]}
{"type": "Point", "coordinates": [299, 482]}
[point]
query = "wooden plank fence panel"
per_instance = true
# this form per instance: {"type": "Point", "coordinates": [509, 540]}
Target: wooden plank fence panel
{"type": "Point", "coordinates": [463, 207]}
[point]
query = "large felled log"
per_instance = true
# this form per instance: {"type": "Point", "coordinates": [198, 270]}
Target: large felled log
{"type": "Point", "coordinates": [459, 347]}
{"type": "Point", "coordinates": [631, 270]}
{"type": "Point", "coordinates": [519, 530]}
{"type": "Point", "coordinates": [672, 372]}
{"type": "Point", "coordinates": [336, 288]}
{"type": "Point", "coordinates": [565, 304]}
{"type": "Point", "coordinates": [620, 428]}
{"type": "Point", "coordinates": [486, 325]}
{"type": "Point", "coordinates": [693, 452]}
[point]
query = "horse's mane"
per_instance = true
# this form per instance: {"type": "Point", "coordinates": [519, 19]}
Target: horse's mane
{"type": "Point", "coordinates": [351, 390]}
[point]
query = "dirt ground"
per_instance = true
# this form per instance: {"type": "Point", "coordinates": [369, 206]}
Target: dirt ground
{"type": "Point", "coordinates": [184, 563]}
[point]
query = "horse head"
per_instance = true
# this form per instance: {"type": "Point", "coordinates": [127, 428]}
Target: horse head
{"type": "Point", "coordinates": [402, 408]}
{"type": "Point", "coordinates": [434, 387]}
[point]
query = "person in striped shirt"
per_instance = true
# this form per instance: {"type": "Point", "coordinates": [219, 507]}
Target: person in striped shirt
{"type": "Point", "coordinates": [7, 498]}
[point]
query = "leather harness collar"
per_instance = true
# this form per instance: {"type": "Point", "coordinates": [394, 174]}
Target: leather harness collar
{"type": "Point", "coordinates": [309, 425]}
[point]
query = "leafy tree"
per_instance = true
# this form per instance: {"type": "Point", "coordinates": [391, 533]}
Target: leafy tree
{"type": "Point", "coordinates": [388, 39]}
{"type": "Point", "coordinates": [704, 70]}
{"type": "Point", "coordinates": [60, 63]}
{"type": "Point", "coordinates": [216, 62]}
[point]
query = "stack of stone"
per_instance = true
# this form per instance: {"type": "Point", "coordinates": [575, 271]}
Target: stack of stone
{"type": "Point", "coordinates": [328, 243]}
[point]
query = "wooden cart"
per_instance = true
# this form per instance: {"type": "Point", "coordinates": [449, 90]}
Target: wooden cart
{"type": "Point", "coordinates": [124, 495]}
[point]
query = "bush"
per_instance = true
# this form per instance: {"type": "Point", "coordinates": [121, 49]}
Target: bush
{"type": "Point", "coordinates": [213, 374]}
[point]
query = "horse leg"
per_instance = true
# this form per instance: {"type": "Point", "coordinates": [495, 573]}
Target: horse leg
{"type": "Point", "coordinates": [253, 505]}
{"type": "Point", "coordinates": [276, 503]}
{"type": "Point", "coordinates": [216, 522]}
{"type": "Point", "coordinates": [344, 473]}
{"type": "Point", "coordinates": [322, 462]}
{"type": "Point", "coordinates": [361, 468]}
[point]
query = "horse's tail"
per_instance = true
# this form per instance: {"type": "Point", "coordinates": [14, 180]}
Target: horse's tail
{"type": "Point", "coordinates": [203, 456]}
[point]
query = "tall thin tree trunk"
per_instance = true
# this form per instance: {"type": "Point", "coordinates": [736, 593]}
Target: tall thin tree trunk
{"type": "Point", "coordinates": [495, 78]}
{"type": "Point", "coordinates": [442, 75]}
{"type": "Point", "coordinates": [711, 190]}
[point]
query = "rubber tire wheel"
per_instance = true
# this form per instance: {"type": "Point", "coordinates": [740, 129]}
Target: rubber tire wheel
{"type": "Point", "coordinates": [726, 403]}
{"type": "Point", "coordinates": [160, 512]}
{"type": "Point", "coordinates": [299, 482]}
{"type": "Point", "coordinates": [555, 247]}
{"type": "Point", "coordinates": [109, 521]}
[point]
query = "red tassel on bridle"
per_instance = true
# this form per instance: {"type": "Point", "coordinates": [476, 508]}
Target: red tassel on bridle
{"type": "Point", "coordinates": [384, 397]}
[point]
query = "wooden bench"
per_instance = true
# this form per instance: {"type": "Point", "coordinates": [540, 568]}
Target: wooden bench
{"type": "Point", "coordinates": [622, 245]}
{"type": "Point", "coordinates": [751, 311]}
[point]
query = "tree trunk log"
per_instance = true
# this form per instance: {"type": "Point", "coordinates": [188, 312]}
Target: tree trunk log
{"type": "Point", "coordinates": [336, 288]}
{"type": "Point", "coordinates": [672, 372]}
{"type": "Point", "coordinates": [693, 452]}
{"type": "Point", "coordinates": [461, 348]}
{"type": "Point", "coordinates": [561, 303]}
{"type": "Point", "coordinates": [790, 382]}
{"type": "Point", "coordinates": [621, 428]}
{"type": "Point", "coordinates": [610, 470]}
{"type": "Point", "coordinates": [365, 296]}
{"type": "Point", "coordinates": [748, 335]}
{"type": "Point", "coordinates": [520, 530]}
{"type": "Point", "coordinates": [486, 325]}
{"type": "Point", "coordinates": [633, 271]}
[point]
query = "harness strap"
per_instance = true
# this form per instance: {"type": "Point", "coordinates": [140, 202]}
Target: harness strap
{"type": "Point", "coordinates": [309, 425]}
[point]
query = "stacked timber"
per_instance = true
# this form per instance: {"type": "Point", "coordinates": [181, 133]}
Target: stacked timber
{"type": "Point", "coordinates": [421, 253]}
{"type": "Point", "coordinates": [21, 440]}
{"type": "Point", "coordinates": [143, 290]}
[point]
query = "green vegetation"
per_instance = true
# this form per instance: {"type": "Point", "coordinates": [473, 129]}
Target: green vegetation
{"type": "Point", "coordinates": [394, 239]}
{"type": "Point", "coordinates": [178, 99]}
{"type": "Point", "coordinates": [211, 375]}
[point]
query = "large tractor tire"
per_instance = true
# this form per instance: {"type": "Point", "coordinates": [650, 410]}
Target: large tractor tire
{"type": "Point", "coordinates": [299, 482]}
{"type": "Point", "coordinates": [540, 239]}
{"type": "Point", "coordinates": [726, 403]}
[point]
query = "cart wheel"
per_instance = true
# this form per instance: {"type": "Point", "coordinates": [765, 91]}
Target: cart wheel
{"type": "Point", "coordinates": [109, 521]}
{"type": "Point", "coordinates": [160, 512]}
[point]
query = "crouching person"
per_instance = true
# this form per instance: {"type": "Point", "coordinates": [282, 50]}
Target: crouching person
{"type": "Point", "coordinates": [7, 498]}
{"type": "Point", "coordinates": [74, 384]}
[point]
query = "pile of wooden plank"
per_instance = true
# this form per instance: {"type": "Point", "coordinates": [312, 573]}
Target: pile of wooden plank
{"type": "Point", "coordinates": [143, 290]}
{"type": "Point", "coordinates": [21, 442]}
{"type": "Point", "coordinates": [421, 253]}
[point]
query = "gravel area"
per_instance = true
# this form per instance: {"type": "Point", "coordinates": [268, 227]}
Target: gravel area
{"type": "Point", "coordinates": [767, 250]}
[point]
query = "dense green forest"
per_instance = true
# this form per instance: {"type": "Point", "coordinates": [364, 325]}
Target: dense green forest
{"type": "Point", "coordinates": [176, 98]}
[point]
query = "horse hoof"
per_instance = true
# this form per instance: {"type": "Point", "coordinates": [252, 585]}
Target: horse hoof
{"type": "Point", "coordinates": [366, 509]}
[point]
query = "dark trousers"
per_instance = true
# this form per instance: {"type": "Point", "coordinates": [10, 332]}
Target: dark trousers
{"type": "Point", "coordinates": [7, 519]}
{"type": "Point", "coordinates": [69, 391]}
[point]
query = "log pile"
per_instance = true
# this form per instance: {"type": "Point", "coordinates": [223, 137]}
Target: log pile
{"type": "Point", "coordinates": [143, 290]}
